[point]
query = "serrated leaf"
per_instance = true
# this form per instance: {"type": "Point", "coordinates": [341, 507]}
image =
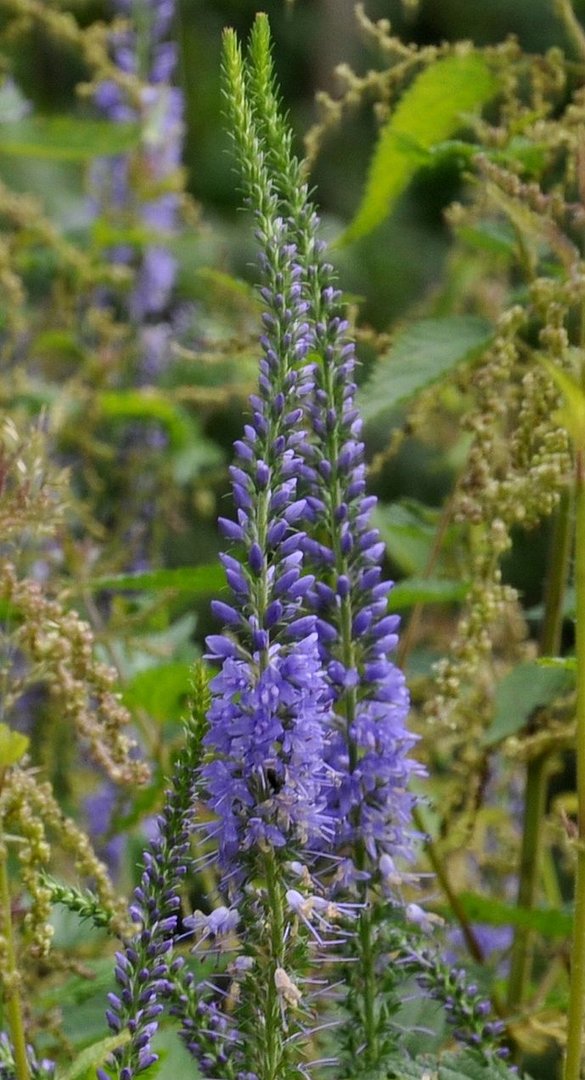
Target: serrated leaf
{"type": "Point", "coordinates": [93, 1056]}
{"type": "Point", "coordinates": [13, 746]}
{"type": "Point", "coordinates": [420, 356]}
{"type": "Point", "coordinates": [198, 580]}
{"type": "Point", "coordinates": [431, 110]}
{"type": "Point", "coordinates": [66, 138]}
{"type": "Point", "coordinates": [527, 687]}
{"type": "Point", "coordinates": [419, 590]}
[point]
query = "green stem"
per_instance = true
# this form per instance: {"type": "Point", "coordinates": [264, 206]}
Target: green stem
{"type": "Point", "coordinates": [11, 977]}
{"type": "Point", "coordinates": [537, 768]}
{"type": "Point", "coordinates": [471, 942]}
{"type": "Point", "coordinates": [577, 991]}
{"type": "Point", "coordinates": [530, 851]}
{"type": "Point", "coordinates": [564, 9]}
{"type": "Point", "coordinates": [272, 1051]}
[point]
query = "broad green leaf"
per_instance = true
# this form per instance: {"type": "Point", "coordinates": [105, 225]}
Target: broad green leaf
{"type": "Point", "coordinates": [550, 922]}
{"type": "Point", "coordinates": [147, 405]}
{"type": "Point", "coordinates": [66, 138]}
{"type": "Point", "coordinates": [431, 110]}
{"type": "Point", "coordinates": [13, 745]}
{"type": "Point", "coordinates": [419, 590]}
{"type": "Point", "coordinates": [199, 580]}
{"type": "Point", "coordinates": [527, 687]}
{"type": "Point", "coordinates": [421, 355]}
{"type": "Point", "coordinates": [93, 1057]}
{"type": "Point", "coordinates": [160, 690]}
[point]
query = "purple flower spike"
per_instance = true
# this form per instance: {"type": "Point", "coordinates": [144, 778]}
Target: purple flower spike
{"type": "Point", "coordinates": [142, 50]}
{"type": "Point", "coordinates": [268, 780]}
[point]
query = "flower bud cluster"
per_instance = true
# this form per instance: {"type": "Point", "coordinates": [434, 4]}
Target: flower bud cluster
{"type": "Point", "coordinates": [146, 969]}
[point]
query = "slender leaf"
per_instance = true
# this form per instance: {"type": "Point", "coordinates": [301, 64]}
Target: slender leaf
{"type": "Point", "coordinates": [550, 922]}
{"type": "Point", "coordinates": [199, 580]}
{"type": "Point", "coordinates": [421, 355]}
{"type": "Point", "coordinates": [431, 110]}
{"type": "Point", "coordinates": [419, 590]}
{"type": "Point", "coordinates": [93, 1056]}
{"type": "Point", "coordinates": [66, 138]}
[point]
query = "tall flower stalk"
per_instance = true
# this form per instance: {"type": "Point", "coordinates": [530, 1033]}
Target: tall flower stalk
{"type": "Point", "coordinates": [368, 745]}
{"type": "Point", "coordinates": [267, 780]}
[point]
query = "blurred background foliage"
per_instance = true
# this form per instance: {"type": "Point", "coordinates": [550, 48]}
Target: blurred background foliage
{"type": "Point", "coordinates": [147, 448]}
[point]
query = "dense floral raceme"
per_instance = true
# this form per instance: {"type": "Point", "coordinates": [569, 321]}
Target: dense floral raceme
{"type": "Point", "coordinates": [143, 187]}
{"type": "Point", "coordinates": [267, 722]}
{"type": "Point", "coordinates": [368, 752]}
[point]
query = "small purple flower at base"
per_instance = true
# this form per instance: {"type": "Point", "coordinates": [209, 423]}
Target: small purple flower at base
{"type": "Point", "coordinates": [266, 728]}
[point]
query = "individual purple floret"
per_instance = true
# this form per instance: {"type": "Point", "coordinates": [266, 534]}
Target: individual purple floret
{"type": "Point", "coordinates": [152, 199]}
{"type": "Point", "coordinates": [267, 780]}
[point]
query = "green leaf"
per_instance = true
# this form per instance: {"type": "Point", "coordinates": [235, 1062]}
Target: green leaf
{"type": "Point", "coordinates": [527, 687]}
{"type": "Point", "coordinates": [465, 1065]}
{"type": "Point", "coordinates": [471, 1065]}
{"type": "Point", "coordinates": [419, 590]}
{"type": "Point", "coordinates": [421, 355]}
{"type": "Point", "coordinates": [572, 413]}
{"type": "Point", "coordinates": [160, 690]}
{"type": "Point", "coordinates": [66, 138]}
{"type": "Point", "coordinates": [431, 110]}
{"type": "Point", "coordinates": [13, 745]}
{"type": "Point", "coordinates": [409, 531]}
{"type": "Point", "coordinates": [550, 922]}
{"type": "Point", "coordinates": [566, 663]}
{"type": "Point", "coordinates": [147, 405]}
{"type": "Point", "coordinates": [198, 580]}
{"type": "Point", "coordinates": [93, 1056]}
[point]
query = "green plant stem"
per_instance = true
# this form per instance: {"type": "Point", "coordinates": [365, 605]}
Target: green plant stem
{"type": "Point", "coordinates": [564, 9]}
{"type": "Point", "coordinates": [534, 804]}
{"type": "Point", "coordinates": [576, 1013]}
{"type": "Point", "coordinates": [11, 977]}
{"type": "Point", "coordinates": [455, 904]}
{"type": "Point", "coordinates": [273, 1049]}
{"type": "Point", "coordinates": [537, 769]}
